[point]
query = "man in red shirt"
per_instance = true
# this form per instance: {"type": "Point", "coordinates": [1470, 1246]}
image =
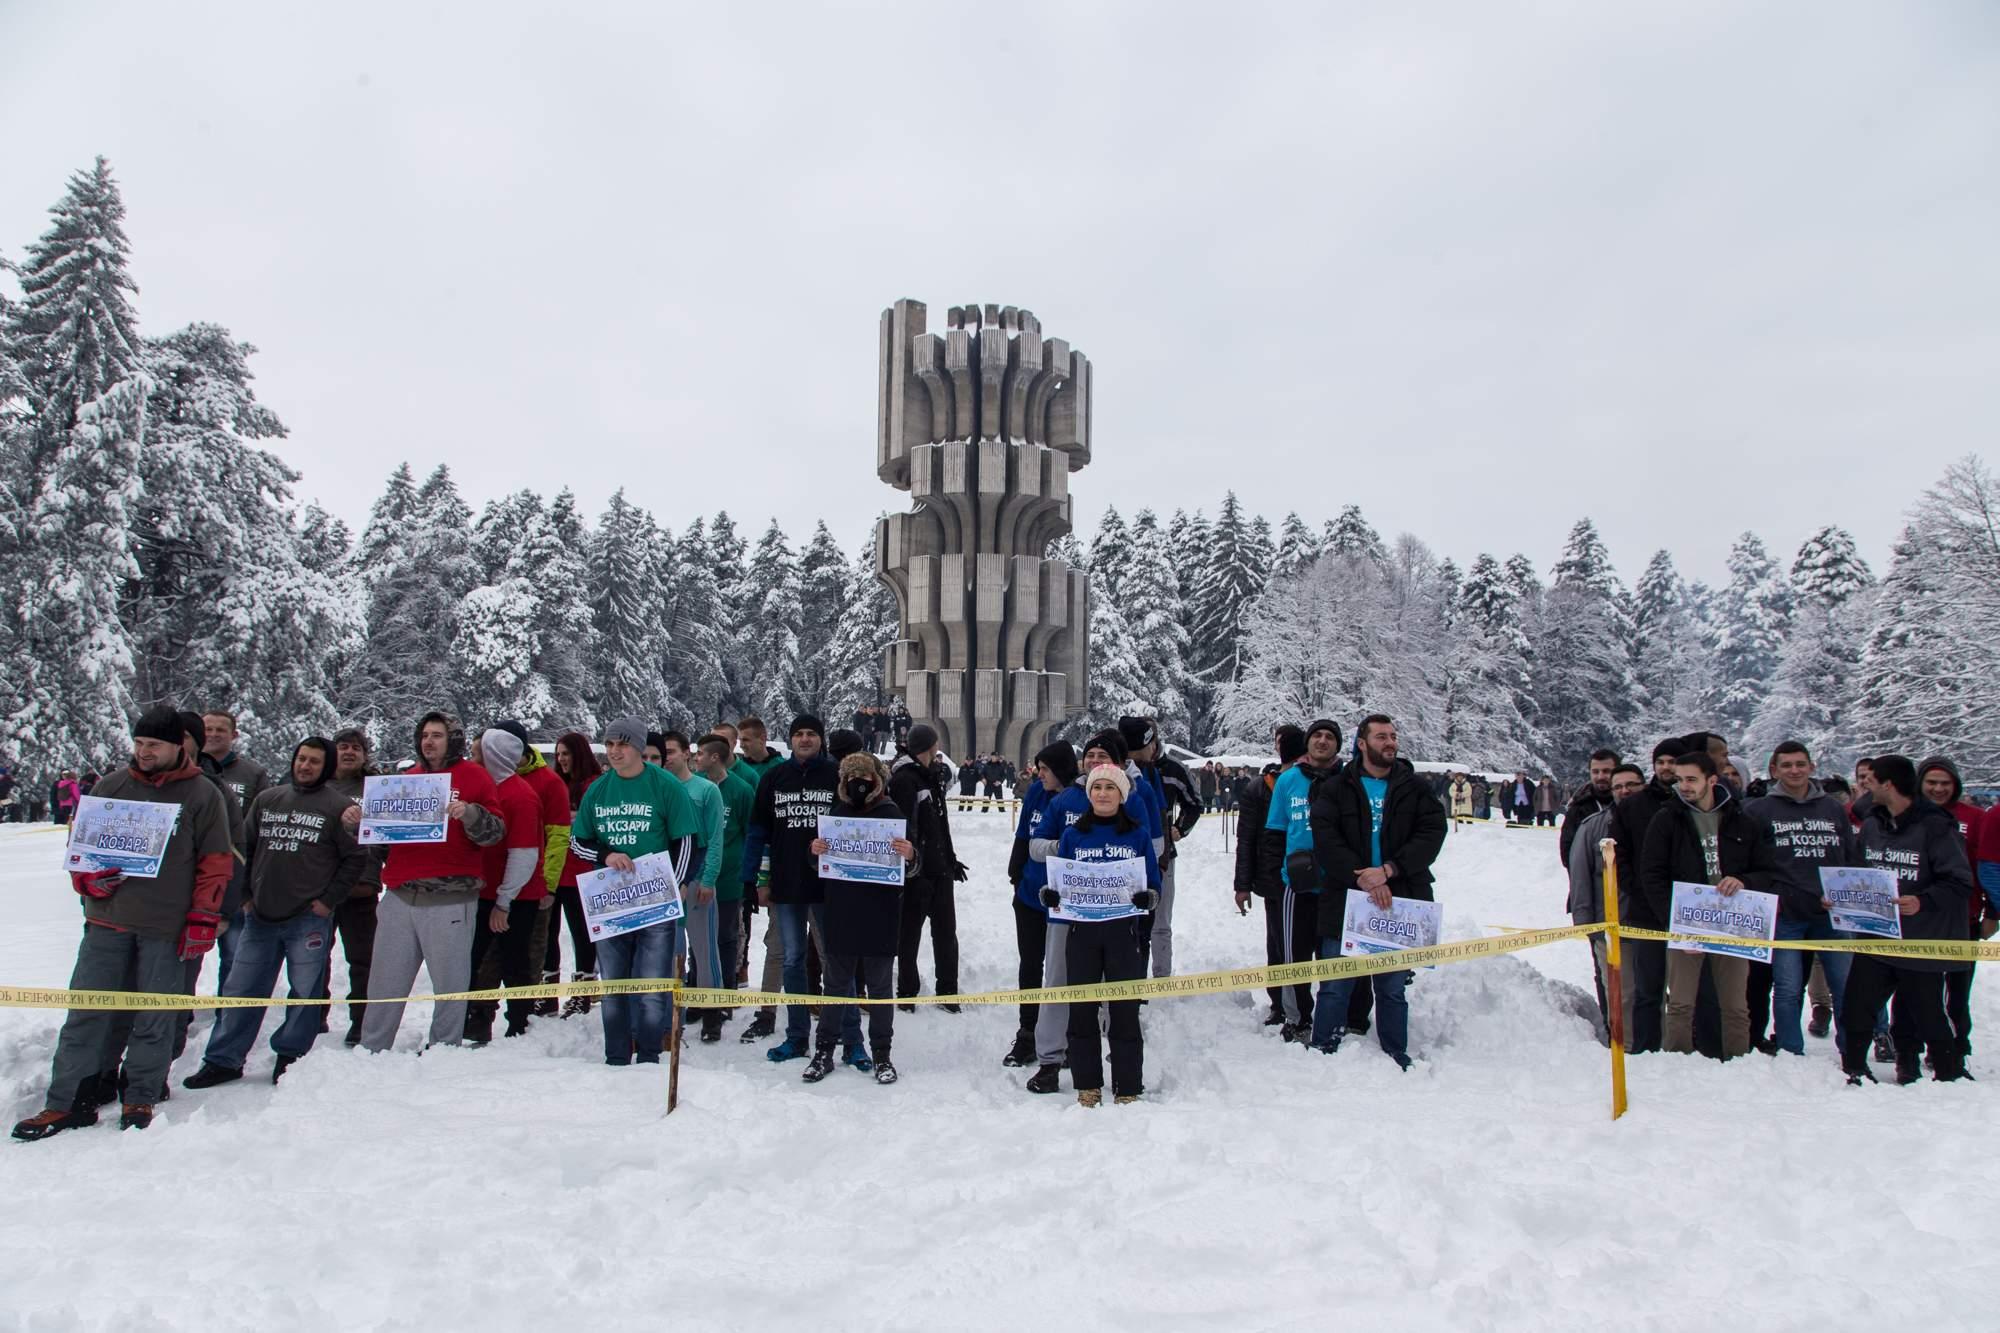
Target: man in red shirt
{"type": "Point", "coordinates": [1938, 778]}
{"type": "Point", "coordinates": [553, 793]}
{"type": "Point", "coordinates": [510, 899]}
{"type": "Point", "coordinates": [431, 897]}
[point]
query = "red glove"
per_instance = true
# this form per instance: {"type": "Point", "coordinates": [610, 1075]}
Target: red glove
{"type": "Point", "coordinates": [96, 883]}
{"type": "Point", "coordinates": [199, 935]}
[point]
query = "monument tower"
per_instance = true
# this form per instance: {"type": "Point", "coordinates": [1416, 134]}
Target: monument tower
{"type": "Point", "coordinates": [982, 425]}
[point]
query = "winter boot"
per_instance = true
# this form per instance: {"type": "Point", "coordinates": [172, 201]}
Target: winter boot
{"type": "Point", "coordinates": [45, 1123]}
{"type": "Point", "coordinates": [210, 1076]}
{"type": "Point", "coordinates": [1885, 1050]}
{"type": "Point", "coordinates": [576, 1006]}
{"type": "Point", "coordinates": [1909, 1067]}
{"type": "Point", "coordinates": [885, 1073]}
{"type": "Point", "coordinates": [858, 1058]}
{"type": "Point", "coordinates": [763, 1024]}
{"type": "Point", "coordinates": [478, 1029]}
{"type": "Point", "coordinates": [1822, 1021]}
{"type": "Point", "coordinates": [353, 1037]}
{"type": "Point", "coordinates": [949, 1008]}
{"type": "Point", "coordinates": [711, 1027]}
{"type": "Point", "coordinates": [137, 1115]}
{"type": "Point", "coordinates": [1857, 1077]}
{"type": "Point", "coordinates": [787, 1050]}
{"type": "Point", "coordinates": [548, 1008]}
{"type": "Point", "coordinates": [1274, 1017]}
{"type": "Point", "coordinates": [284, 1062]}
{"type": "Point", "coordinates": [1295, 1032]}
{"type": "Point", "coordinates": [819, 1068]}
{"type": "Point", "coordinates": [1125, 1098]}
{"type": "Point", "coordinates": [1022, 1054]}
{"type": "Point", "coordinates": [1046, 1079]}
{"type": "Point", "coordinates": [1091, 1097]}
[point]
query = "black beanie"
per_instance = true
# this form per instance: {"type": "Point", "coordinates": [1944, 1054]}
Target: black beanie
{"type": "Point", "coordinates": [807, 722]}
{"type": "Point", "coordinates": [195, 728]}
{"type": "Point", "coordinates": [159, 724]}
{"type": "Point", "coordinates": [842, 743]}
{"type": "Point", "coordinates": [1291, 744]}
{"type": "Point", "coordinates": [514, 729]}
{"type": "Point", "coordinates": [1111, 743]}
{"type": "Point", "coordinates": [1670, 748]}
{"type": "Point", "coordinates": [1061, 760]}
{"type": "Point", "coordinates": [922, 738]}
{"type": "Point", "coordinates": [1325, 724]}
{"type": "Point", "coordinates": [1137, 732]}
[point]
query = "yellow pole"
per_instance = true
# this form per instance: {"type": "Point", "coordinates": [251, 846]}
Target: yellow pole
{"type": "Point", "coordinates": [1614, 998]}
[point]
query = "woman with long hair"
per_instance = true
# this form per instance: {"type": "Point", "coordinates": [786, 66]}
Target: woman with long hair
{"type": "Point", "coordinates": [578, 766]}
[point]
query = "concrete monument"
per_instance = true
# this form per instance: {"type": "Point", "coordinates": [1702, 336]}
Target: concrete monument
{"type": "Point", "coordinates": [982, 425]}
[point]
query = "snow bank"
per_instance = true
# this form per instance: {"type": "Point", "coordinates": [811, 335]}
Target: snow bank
{"type": "Point", "coordinates": [526, 1186]}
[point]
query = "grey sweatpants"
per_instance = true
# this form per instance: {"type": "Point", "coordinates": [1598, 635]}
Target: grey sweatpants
{"type": "Point", "coordinates": [433, 930]}
{"type": "Point", "coordinates": [1052, 1023]}
{"type": "Point", "coordinates": [110, 959]}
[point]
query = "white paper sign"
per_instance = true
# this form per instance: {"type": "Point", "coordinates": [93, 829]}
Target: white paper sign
{"type": "Point", "coordinates": [1096, 890]}
{"type": "Point", "coordinates": [404, 807]}
{"type": "Point", "coordinates": [617, 902]}
{"type": "Point", "coordinates": [126, 836]}
{"type": "Point", "coordinates": [1408, 924]}
{"type": "Point", "coordinates": [1700, 909]}
{"type": "Point", "coordinates": [1864, 900]}
{"type": "Point", "coordinates": [858, 850]}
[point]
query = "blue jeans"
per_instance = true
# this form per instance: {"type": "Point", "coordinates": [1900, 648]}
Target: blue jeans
{"type": "Point", "coordinates": [1788, 979]}
{"type": "Point", "coordinates": [226, 945]}
{"type": "Point", "coordinates": [1392, 1011]}
{"type": "Point", "coordinates": [792, 922]}
{"type": "Point", "coordinates": [302, 945]}
{"type": "Point", "coordinates": [636, 1023]}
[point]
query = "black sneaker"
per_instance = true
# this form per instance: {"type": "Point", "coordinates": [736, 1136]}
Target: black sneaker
{"type": "Point", "coordinates": [45, 1123]}
{"type": "Point", "coordinates": [1274, 1018]}
{"type": "Point", "coordinates": [820, 1066]}
{"type": "Point", "coordinates": [885, 1073]}
{"type": "Point", "coordinates": [1857, 1077]}
{"type": "Point", "coordinates": [1821, 1022]}
{"type": "Point", "coordinates": [137, 1115]}
{"type": "Point", "coordinates": [284, 1062]}
{"type": "Point", "coordinates": [1885, 1050]}
{"type": "Point", "coordinates": [907, 1008]}
{"type": "Point", "coordinates": [1767, 1045]}
{"type": "Point", "coordinates": [353, 1037]}
{"type": "Point", "coordinates": [711, 1027]}
{"type": "Point", "coordinates": [1046, 1079]}
{"type": "Point", "coordinates": [1293, 1032]}
{"type": "Point", "coordinates": [1022, 1053]}
{"type": "Point", "coordinates": [950, 1008]}
{"type": "Point", "coordinates": [764, 1024]}
{"type": "Point", "coordinates": [211, 1076]}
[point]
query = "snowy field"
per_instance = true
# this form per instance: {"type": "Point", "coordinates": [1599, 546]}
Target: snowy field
{"type": "Point", "coordinates": [1258, 1186]}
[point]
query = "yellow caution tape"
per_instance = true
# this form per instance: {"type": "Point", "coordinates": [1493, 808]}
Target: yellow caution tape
{"type": "Point", "coordinates": [1201, 983]}
{"type": "Point", "coordinates": [1949, 950]}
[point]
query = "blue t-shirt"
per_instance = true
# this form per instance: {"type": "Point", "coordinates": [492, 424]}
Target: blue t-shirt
{"type": "Point", "coordinates": [1291, 799]}
{"type": "Point", "coordinates": [1377, 790]}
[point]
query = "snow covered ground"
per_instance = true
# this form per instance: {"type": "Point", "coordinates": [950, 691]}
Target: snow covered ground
{"type": "Point", "coordinates": [1258, 1186]}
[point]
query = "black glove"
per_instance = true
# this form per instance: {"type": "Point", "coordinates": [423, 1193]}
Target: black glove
{"type": "Point", "coordinates": [1051, 899]}
{"type": "Point", "coordinates": [1143, 899]}
{"type": "Point", "coordinates": [961, 874]}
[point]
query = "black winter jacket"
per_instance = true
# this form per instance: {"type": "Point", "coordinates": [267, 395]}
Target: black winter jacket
{"type": "Point", "coordinates": [863, 919]}
{"type": "Point", "coordinates": [1256, 863]}
{"type": "Point", "coordinates": [1413, 825]}
{"type": "Point", "coordinates": [1673, 852]}
{"type": "Point", "coordinates": [1631, 820]}
{"type": "Point", "coordinates": [916, 794]}
{"type": "Point", "coordinates": [1582, 806]}
{"type": "Point", "coordinates": [1928, 856]}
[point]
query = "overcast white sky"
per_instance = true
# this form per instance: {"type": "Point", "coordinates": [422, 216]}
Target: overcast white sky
{"type": "Point", "coordinates": [1482, 268]}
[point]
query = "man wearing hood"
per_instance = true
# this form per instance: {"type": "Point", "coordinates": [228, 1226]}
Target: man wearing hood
{"type": "Point", "coordinates": [139, 934]}
{"type": "Point", "coordinates": [1377, 827]}
{"type": "Point", "coordinates": [1705, 838]}
{"type": "Point", "coordinates": [427, 916]}
{"type": "Point", "coordinates": [512, 890]}
{"type": "Point", "coordinates": [930, 895]}
{"type": "Point", "coordinates": [1918, 840]}
{"type": "Point", "coordinates": [354, 920]}
{"type": "Point", "coordinates": [553, 793]}
{"type": "Point", "coordinates": [785, 821]}
{"type": "Point", "coordinates": [303, 862]}
{"type": "Point", "coordinates": [1180, 809]}
{"type": "Point", "coordinates": [1809, 830]}
{"type": "Point", "coordinates": [1938, 778]}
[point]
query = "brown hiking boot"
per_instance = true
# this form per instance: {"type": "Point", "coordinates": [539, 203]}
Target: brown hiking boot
{"type": "Point", "coordinates": [1090, 1097]}
{"type": "Point", "coordinates": [1126, 1098]}
{"type": "Point", "coordinates": [42, 1125]}
{"type": "Point", "coordinates": [137, 1115]}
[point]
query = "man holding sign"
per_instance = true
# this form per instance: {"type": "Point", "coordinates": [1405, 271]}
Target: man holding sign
{"type": "Point", "coordinates": [1377, 827]}
{"type": "Point", "coordinates": [426, 918]}
{"type": "Point", "coordinates": [140, 931]}
{"type": "Point", "coordinates": [1918, 841]}
{"type": "Point", "coordinates": [1705, 838]}
{"type": "Point", "coordinates": [635, 809]}
{"type": "Point", "coordinates": [1810, 832]}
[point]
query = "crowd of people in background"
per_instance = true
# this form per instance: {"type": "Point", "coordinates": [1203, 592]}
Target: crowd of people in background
{"type": "Point", "coordinates": [267, 871]}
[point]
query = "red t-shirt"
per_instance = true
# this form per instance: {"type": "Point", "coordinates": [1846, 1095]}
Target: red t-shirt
{"type": "Point", "coordinates": [457, 856]}
{"type": "Point", "coordinates": [522, 810]}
